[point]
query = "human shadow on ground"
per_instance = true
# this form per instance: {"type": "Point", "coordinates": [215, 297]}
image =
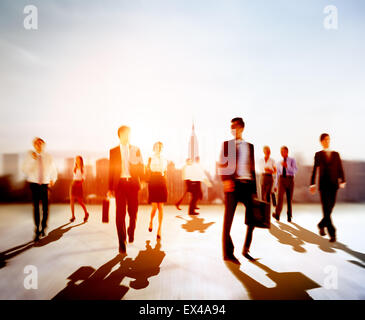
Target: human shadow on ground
{"type": "Point", "coordinates": [195, 224]}
{"type": "Point", "coordinates": [287, 238]}
{"type": "Point", "coordinates": [323, 243]}
{"type": "Point", "coordinates": [289, 285]}
{"type": "Point", "coordinates": [52, 236]}
{"type": "Point", "coordinates": [86, 283]}
{"type": "Point", "coordinates": [55, 234]}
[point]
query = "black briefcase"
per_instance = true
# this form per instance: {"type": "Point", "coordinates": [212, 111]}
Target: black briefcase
{"type": "Point", "coordinates": [261, 214]}
{"type": "Point", "coordinates": [106, 204]}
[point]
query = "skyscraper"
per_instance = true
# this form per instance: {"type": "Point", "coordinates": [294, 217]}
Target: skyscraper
{"type": "Point", "coordinates": [193, 151]}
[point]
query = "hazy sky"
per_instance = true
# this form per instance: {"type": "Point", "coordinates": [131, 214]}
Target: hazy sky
{"type": "Point", "coordinates": [156, 65]}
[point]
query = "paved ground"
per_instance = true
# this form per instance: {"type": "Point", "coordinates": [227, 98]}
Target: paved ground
{"type": "Point", "coordinates": [80, 260]}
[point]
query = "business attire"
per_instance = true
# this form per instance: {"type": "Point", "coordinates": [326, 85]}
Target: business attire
{"type": "Point", "coordinates": [195, 175]}
{"type": "Point", "coordinates": [39, 173]}
{"type": "Point", "coordinates": [285, 181]}
{"type": "Point", "coordinates": [157, 187]}
{"type": "Point", "coordinates": [267, 179]}
{"type": "Point", "coordinates": [237, 164]}
{"type": "Point", "coordinates": [125, 171]}
{"type": "Point", "coordinates": [330, 175]}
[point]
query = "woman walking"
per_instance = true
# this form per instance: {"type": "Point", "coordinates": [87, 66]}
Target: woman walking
{"type": "Point", "coordinates": [76, 191]}
{"type": "Point", "coordinates": [157, 188]}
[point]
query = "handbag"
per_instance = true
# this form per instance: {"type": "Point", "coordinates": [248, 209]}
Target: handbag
{"type": "Point", "coordinates": [261, 214]}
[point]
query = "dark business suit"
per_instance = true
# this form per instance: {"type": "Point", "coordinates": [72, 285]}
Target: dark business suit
{"type": "Point", "coordinates": [244, 191]}
{"type": "Point", "coordinates": [125, 190]}
{"type": "Point", "coordinates": [330, 175]}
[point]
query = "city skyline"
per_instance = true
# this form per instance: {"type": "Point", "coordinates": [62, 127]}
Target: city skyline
{"type": "Point", "coordinates": [92, 67]}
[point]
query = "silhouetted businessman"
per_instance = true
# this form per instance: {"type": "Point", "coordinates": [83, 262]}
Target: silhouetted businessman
{"type": "Point", "coordinates": [331, 177]}
{"type": "Point", "coordinates": [125, 171]}
{"type": "Point", "coordinates": [237, 171]}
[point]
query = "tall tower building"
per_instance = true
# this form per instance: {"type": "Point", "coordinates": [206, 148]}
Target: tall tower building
{"type": "Point", "coordinates": [193, 151]}
{"type": "Point", "coordinates": [11, 165]}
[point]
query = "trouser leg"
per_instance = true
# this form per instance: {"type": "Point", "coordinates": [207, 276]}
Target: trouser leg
{"type": "Point", "coordinates": [35, 199]}
{"type": "Point", "coordinates": [230, 205]}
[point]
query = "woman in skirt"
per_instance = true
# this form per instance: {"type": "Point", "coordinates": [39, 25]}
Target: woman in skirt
{"type": "Point", "coordinates": [76, 192]}
{"type": "Point", "coordinates": [157, 189]}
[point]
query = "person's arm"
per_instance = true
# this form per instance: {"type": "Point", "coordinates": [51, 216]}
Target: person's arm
{"type": "Point", "coordinates": [292, 166]}
{"type": "Point", "coordinates": [53, 172]}
{"type": "Point", "coordinates": [111, 176]}
{"type": "Point", "coordinates": [312, 187]}
{"type": "Point", "coordinates": [228, 183]}
{"type": "Point", "coordinates": [341, 173]}
{"type": "Point", "coordinates": [28, 164]}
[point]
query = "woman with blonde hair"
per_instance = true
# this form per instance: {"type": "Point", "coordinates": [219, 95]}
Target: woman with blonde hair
{"type": "Point", "coordinates": [157, 187]}
{"type": "Point", "coordinates": [76, 190]}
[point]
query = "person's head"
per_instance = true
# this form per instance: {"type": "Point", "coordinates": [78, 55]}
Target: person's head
{"type": "Point", "coordinates": [284, 151]}
{"type": "Point", "coordinates": [157, 147]}
{"type": "Point", "coordinates": [79, 163]}
{"type": "Point", "coordinates": [38, 144]}
{"type": "Point", "coordinates": [237, 127]}
{"type": "Point", "coordinates": [267, 151]}
{"type": "Point", "coordinates": [325, 140]}
{"type": "Point", "coordinates": [197, 159]}
{"type": "Point", "coordinates": [188, 161]}
{"type": "Point", "coordinates": [124, 134]}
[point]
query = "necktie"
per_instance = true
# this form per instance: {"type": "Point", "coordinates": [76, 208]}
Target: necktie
{"type": "Point", "coordinates": [284, 169]}
{"type": "Point", "coordinates": [40, 168]}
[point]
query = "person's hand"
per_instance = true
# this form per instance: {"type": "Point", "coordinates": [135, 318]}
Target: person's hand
{"type": "Point", "coordinates": [110, 194]}
{"type": "Point", "coordinates": [343, 185]}
{"type": "Point", "coordinates": [34, 155]}
{"type": "Point", "coordinates": [228, 185]}
{"type": "Point", "coordinates": [51, 184]}
{"type": "Point", "coordinates": [312, 189]}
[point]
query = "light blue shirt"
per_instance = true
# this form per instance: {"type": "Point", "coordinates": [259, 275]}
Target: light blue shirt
{"type": "Point", "coordinates": [291, 169]}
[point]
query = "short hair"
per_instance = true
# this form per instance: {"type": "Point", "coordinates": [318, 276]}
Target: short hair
{"type": "Point", "coordinates": [284, 147]}
{"type": "Point", "coordinates": [36, 139]}
{"type": "Point", "coordinates": [239, 120]}
{"type": "Point", "coordinates": [158, 143]}
{"type": "Point", "coordinates": [323, 136]}
{"type": "Point", "coordinates": [266, 147]}
{"type": "Point", "coordinates": [122, 129]}
{"type": "Point", "coordinates": [197, 159]}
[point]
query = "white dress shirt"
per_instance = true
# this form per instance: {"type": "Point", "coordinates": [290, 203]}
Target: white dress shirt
{"type": "Point", "coordinates": [243, 163]}
{"type": "Point", "coordinates": [195, 172]}
{"type": "Point", "coordinates": [41, 170]}
{"type": "Point", "coordinates": [158, 164]}
{"type": "Point", "coordinates": [124, 152]}
{"type": "Point", "coordinates": [269, 164]}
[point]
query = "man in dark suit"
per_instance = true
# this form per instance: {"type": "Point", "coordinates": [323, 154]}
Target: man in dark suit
{"type": "Point", "coordinates": [237, 171]}
{"type": "Point", "coordinates": [125, 171]}
{"type": "Point", "coordinates": [331, 177]}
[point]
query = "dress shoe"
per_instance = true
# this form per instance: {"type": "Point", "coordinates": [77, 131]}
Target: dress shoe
{"type": "Point", "coordinates": [43, 233]}
{"type": "Point", "coordinates": [122, 250]}
{"type": "Point", "coordinates": [289, 219]}
{"type": "Point", "coordinates": [177, 205]}
{"type": "Point", "coordinates": [158, 237]}
{"type": "Point", "coordinates": [231, 258]}
{"type": "Point", "coordinates": [86, 217]}
{"type": "Point", "coordinates": [248, 257]}
{"type": "Point", "coordinates": [275, 216]}
{"type": "Point", "coordinates": [194, 213]}
{"type": "Point", "coordinates": [36, 237]}
{"type": "Point", "coordinates": [321, 231]}
{"type": "Point", "coordinates": [130, 239]}
{"type": "Point", "coordinates": [333, 239]}
{"type": "Point", "coordinates": [72, 219]}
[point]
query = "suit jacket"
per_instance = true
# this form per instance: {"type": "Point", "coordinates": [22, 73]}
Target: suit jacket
{"type": "Point", "coordinates": [136, 167]}
{"type": "Point", "coordinates": [227, 162]}
{"type": "Point", "coordinates": [330, 170]}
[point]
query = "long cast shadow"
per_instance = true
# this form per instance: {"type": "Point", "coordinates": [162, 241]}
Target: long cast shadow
{"type": "Point", "coordinates": [289, 285]}
{"type": "Point", "coordinates": [104, 284]}
{"type": "Point", "coordinates": [52, 236]}
{"type": "Point", "coordinates": [195, 224]}
{"type": "Point", "coordinates": [323, 244]}
{"type": "Point", "coordinates": [286, 238]}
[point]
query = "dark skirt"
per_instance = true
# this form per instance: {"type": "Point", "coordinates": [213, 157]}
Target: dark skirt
{"type": "Point", "coordinates": [76, 189]}
{"type": "Point", "coordinates": [157, 188]}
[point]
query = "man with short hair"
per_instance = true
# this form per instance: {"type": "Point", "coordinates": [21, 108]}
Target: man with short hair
{"type": "Point", "coordinates": [237, 171]}
{"type": "Point", "coordinates": [125, 171]}
{"type": "Point", "coordinates": [331, 177]}
{"type": "Point", "coordinates": [286, 170]}
{"type": "Point", "coordinates": [41, 173]}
